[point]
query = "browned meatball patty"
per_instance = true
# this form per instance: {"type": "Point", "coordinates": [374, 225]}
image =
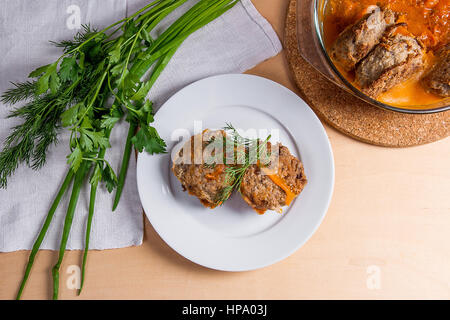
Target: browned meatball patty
{"type": "Point", "coordinates": [394, 60]}
{"type": "Point", "coordinates": [203, 182]}
{"type": "Point", "coordinates": [438, 80]}
{"type": "Point", "coordinates": [356, 41]}
{"type": "Point", "coordinates": [261, 192]}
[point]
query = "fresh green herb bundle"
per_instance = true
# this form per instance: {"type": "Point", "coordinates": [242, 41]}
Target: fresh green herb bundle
{"type": "Point", "coordinates": [94, 84]}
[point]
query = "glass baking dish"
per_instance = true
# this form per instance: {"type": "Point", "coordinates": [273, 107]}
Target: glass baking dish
{"type": "Point", "coordinates": [312, 48]}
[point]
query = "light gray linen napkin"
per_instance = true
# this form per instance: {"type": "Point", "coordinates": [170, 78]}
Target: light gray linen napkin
{"type": "Point", "coordinates": [233, 43]}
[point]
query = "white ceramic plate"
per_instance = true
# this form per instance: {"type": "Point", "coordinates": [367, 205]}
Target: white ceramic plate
{"type": "Point", "coordinates": [233, 237]}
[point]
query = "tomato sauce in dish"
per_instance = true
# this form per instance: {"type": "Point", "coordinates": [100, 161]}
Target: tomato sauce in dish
{"type": "Point", "coordinates": [427, 20]}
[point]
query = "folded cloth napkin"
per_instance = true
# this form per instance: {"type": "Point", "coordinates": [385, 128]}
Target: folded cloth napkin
{"type": "Point", "coordinates": [233, 43]}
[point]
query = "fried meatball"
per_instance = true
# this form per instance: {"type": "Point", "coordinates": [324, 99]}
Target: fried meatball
{"type": "Point", "coordinates": [264, 190]}
{"type": "Point", "coordinates": [438, 80]}
{"type": "Point", "coordinates": [357, 40]}
{"type": "Point", "coordinates": [394, 60]}
{"type": "Point", "coordinates": [200, 180]}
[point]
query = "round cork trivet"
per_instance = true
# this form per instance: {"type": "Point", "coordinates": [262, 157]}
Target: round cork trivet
{"type": "Point", "coordinates": [351, 115]}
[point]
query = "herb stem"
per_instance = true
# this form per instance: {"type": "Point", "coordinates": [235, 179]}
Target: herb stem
{"type": "Point", "coordinates": [91, 103]}
{"type": "Point", "coordinates": [77, 184]}
{"type": "Point", "coordinates": [92, 197]}
{"type": "Point", "coordinates": [42, 233]}
{"type": "Point", "coordinates": [124, 166]}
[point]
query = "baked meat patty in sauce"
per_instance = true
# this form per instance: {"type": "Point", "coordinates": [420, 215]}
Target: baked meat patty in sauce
{"type": "Point", "coordinates": [271, 190]}
{"type": "Point", "coordinates": [204, 182]}
{"type": "Point", "coordinates": [437, 81]}
{"type": "Point", "coordinates": [357, 40]}
{"type": "Point", "coordinates": [394, 60]}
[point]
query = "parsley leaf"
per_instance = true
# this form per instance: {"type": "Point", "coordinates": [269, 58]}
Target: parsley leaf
{"type": "Point", "coordinates": [75, 159]}
{"type": "Point", "coordinates": [36, 73]}
{"type": "Point", "coordinates": [110, 178]}
{"type": "Point", "coordinates": [115, 54]}
{"type": "Point", "coordinates": [69, 117]}
{"type": "Point", "coordinates": [95, 138]}
{"type": "Point", "coordinates": [68, 70]}
{"type": "Point", "coordinates": [55, 83]}
{"type": "Point", "coordinates": [148, 139]}
{"type": "Point", "coordinates": [43, 82]}
{"type": "Point", "coordinates": [108, 121]}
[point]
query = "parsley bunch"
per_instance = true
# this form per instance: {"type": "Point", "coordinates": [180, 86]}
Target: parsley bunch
{"type": "Point", "coordinates": [98, 80]}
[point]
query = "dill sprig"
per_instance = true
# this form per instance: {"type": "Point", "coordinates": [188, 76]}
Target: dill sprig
{"type": "Point", "coordinates": [80, 37]}
{"type": "Point", "coordinates": [29, 141]}
{"type": "Point", "coordinates": [20, 92]}
{"type": "Point", "coordinates": [246, 152]}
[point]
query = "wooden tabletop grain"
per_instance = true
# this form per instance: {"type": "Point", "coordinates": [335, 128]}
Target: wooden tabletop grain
{"type": "Point", "coordinates": [386, 235]}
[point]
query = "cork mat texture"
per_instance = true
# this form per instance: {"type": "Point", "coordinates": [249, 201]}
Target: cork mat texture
{"type": "Point", "coordinates": [349, 114]}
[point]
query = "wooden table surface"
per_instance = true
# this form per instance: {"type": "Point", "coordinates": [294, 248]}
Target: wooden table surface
{"type": "Point", "coordinates": [386, 235]}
